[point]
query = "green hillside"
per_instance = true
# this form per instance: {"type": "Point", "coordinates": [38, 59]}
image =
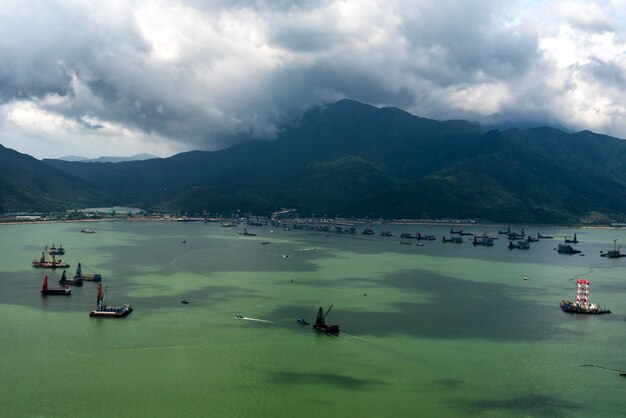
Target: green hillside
{"type": "Point", "coordinates": [352, 159]}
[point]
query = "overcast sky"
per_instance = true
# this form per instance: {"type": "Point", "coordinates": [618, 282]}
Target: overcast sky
{"type": "Point", "coordinates": [93, 78]}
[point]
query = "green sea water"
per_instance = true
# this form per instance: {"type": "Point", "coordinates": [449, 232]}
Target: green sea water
{"type": "Point", "coordinates": [442, 330]}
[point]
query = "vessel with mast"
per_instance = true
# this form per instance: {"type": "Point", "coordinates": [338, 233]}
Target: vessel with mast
{"type": "Point", "coordinates": [96, 277]}
{"type": "Point", "coordinates": [320, 322]}
{"type": "Point", "coordinates": [45, 290]}
{"type": "Point", "coordinates": [104, 311]}
{"type": "Point", "coordinates": [614, 253]}
{"type": "Point", "coordinates": [44, 262]}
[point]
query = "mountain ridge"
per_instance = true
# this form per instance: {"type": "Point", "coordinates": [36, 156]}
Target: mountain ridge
{"type": "Point", "coordinates": [349, 158]}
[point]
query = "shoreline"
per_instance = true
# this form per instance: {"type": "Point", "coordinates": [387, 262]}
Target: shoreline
{"type": "Point", "coordinates": [450, 223]}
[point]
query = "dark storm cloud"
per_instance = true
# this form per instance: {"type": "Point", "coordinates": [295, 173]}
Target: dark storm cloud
{"type": "Point", "coordinates": [195, 74]}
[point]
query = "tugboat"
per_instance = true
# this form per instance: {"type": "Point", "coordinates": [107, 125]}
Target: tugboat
{"type": "Point", "coordinates": [76, 281]}
{"type": "Point", "coordinates": [614, 253]}
{"type": "Point", "coordinates": [45, 290]}
{"type": "Point", "coordinates": [96, 277]}
{"type": "Point", "coordinates": [56, 251]}
{"type": "Point", "coordinates": [320, 323]}
{"type": "Point", "coordinates": [43, 262]}
{"type": "Point", "coordinates": [104, 311]}
{"type": "Point", "coordinates": [582, 304]}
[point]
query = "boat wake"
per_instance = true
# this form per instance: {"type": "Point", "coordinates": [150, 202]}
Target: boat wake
{"type": "Point", "coordinates": [245, 318]}
{"type": "Point", "coordinates": [601, 367]}
{"type": "Point", "coordinates": [378, 346]}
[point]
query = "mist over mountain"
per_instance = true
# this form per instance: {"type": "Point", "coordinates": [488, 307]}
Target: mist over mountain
{"type": "Point", "coordinates": [108, 159]}
{"type": "Point", "coordinates": [353, 159]}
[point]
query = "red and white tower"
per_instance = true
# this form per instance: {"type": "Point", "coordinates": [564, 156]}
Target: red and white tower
{"type": "Point", "coordinates": [582, 295]}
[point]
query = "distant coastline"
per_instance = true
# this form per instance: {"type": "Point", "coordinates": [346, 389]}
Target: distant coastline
{"type": "Point", "coordinates": [450, 222]}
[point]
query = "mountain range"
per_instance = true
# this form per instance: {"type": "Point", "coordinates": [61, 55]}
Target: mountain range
{"type": "Point", "coordinates": [108, 159]}
{"type": "Point", "coordinates": [353, 159]}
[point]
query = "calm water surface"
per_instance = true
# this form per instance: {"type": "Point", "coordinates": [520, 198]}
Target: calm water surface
{"type": "Point", "coordinates": [442, 330]}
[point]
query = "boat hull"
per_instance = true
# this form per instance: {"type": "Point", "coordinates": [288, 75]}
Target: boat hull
{"type": "Point", "coordinates": [49, 265]}
{"type": "Point", "coordinates": [56, 292]}
{"type": "Point", "coordinates": [571, 307]}
{"type": "Point", "coordinates": [328, 329]}
{"type": "Point", "coordinates": [112, 314]}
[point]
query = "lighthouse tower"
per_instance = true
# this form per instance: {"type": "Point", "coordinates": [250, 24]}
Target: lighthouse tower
{"type": "Point", "coordinates": [582, 295]}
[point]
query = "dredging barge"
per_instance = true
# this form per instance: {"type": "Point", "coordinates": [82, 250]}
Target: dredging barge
{"type": "Point", "coordinates": [104, 311]}
{"type": "Point", "coordinates": [96, 277]}
{"type": "Point", "coordinates": [582, 304]}
{"type": "Point", "coordinates": [320, 323]}
{"type": "Point", "coordinates": [43, 262]}
{"type": "Point", "coordinates": [45, 290]}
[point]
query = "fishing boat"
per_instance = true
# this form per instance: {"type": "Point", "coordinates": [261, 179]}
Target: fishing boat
{"type": "Point", "coordinates": [96, 277]}
{"type": "Point", "coordinates": [56, 251]}
{"type": "Point", "coordinates": [76, 281]}
{"type": "Point", "coordinates": [582, 304]}
{"type": "Point", "coordinates": [104, 311]}
{"type": "Point", "coordinates": [320, 322]}
{"type": "Point", "coordinates": [454, 240]}
{"type": "Point", "coordinates": [368, 231]}
{"type": "Point", "coordinates": [45, 290]}
{"type": "Point", "coordinates": [541, 236]}
{"type": "Point", "coordinates": [571, 241]}
{"type": "Point", "coordinates": [43, 262]}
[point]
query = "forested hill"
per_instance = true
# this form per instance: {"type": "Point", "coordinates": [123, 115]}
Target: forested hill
{"type": "Point", "coordinates": [352, 159]}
